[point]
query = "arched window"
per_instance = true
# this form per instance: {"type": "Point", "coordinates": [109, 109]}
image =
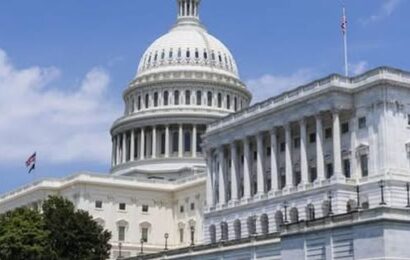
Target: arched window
{"type": "Point", "coordinates": [176, 97]}
{"type": "Point", "coordinates": [310, 212]}
{"type": "Point", "coordinates": [187, 97]}
{"type": "Point", "coordinates": [156, 56]}
{"type": "Point", "coordinates": [175, 142]}
{"type": "Point", "coordinates": [188, 53]}
{"type": "Point", "coordinates": [219, 100]}
{"type": "Point", "coordinates": [279, 220]}
{"type": "Point", "coordinates": [264, 224]}
{"type": "Point", "coordinates": [171, 53]}
{"type": "Point", "coordinates": [139, 102]}
{"type": "Point", "coordinates": [163, 55]}
{"type": "Point", "coordinates": [196, 54]}
{"type": "Point", "coordinates": [187, 141]}
{"type": "Point", "coordinates": [213, 56]}
{"type": "Point", "coordinates": [351, 206]}
{"type": "Point", "coordinates": [199, 98]}
{"type": "Point", "coordinates": [212, 233]}
{"type": "Point", "coordinates": [251, 225]}
{"type": "Point", "coordinates": [146, 101]}
{"type": "Point", "coordinates": [209, 98]}
{"type": "Point", "coordinates": [228, 102]}
{"type": "Point", "coordinates": [205, 55]}
{"type": "Point", "coordinates": [237, 229]}
{"type": "Point", "coordinates": [224, 231]}
{"type": "Point", "coordinates": [155, 99]}
{"type": "Point", "coordinates": [294, 215]}
{"type": "Point", "coordinates": [166, 94]}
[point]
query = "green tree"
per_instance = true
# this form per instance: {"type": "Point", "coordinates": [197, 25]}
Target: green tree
{"type": "Point", "coordinates": [74, 234]}
{"type": "Point", "coordinates": [23, 236]}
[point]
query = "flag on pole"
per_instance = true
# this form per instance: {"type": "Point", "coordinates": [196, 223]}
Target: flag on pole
{"type": "Point", "coordinates": [31, 163]}
{"type": "Point", "coordinates": [344, 22]}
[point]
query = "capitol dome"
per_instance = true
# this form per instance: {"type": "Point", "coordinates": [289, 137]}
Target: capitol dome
{"type": "Point", "coordinates": [188, 47]}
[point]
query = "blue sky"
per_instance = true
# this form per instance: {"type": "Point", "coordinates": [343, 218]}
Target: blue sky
{"type": "Point", "coordinates": [64, 64]}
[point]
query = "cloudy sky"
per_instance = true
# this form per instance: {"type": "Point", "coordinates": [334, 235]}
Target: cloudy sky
{"type": "Point", "coordinates": [64, 64]}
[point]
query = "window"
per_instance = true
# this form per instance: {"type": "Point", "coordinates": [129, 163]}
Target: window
{"type": "Point", "coordinates": [122, 206]}
{"type": "Point", "coordinates": [181, 235]}
{"type": "Point", "coordinates": [145, 208]}
{"type": "Point", "coordinates": [268, 151]}
{"type": "Point", "coordinates": [328, 133]}
{"type": "Point", "coordinates": [188, 54]}
{"type": "Point", "coordinates": [187, 141]}
{"type": "Point", "coordinates": [329, 170]}
{"type": "Point", "coordinates": [163, 55]}
{"type": "Point", "coordinates": [176, 97]}
{"type": "Point", "coordinates": [171, 54]}
{"type": "Point", "coordinates": [213, 55]}
{"type": "Point", "coordinates": [205, 55]}
{"type": "Point", "coordinates": [121, 233]}
{"type": "Point", "coordinates": [312, 138]}
{"type": "Point", "coordinates": [345, 128]}
{"type": "Point", "coordinates": [228, 102]}
{"type": "Point", "coordinates": [98, 204]}
{"type": "Point", "coordinates": [175, 138]}
{"type": "Point", "coordinates": [209, 97]}
{"type": "Point", "coordinates": [282, 147]}
{"type": "Point", "coordinates": [187, 97]}
{"type": "Point", "coordinates": [166, 94]}
{"type": "Point", "coordinates": [179, 53]}
{"type": "Point", "coordinates": [312, 174]}
{"type": "Point", "coordinates": [408, 119]}
{"type": "Point", "coordinates": [346, 168]}
{"type": "Point", "coordinates": [155, 99]}
{"type": "Point", "coordinates": [181, 209]}
{"type": "Point", "coordinates": [362, 122]}
{"type": "Point", "coordinates": [298, 177]}
{"type": "Point", "coordinates": [139, 102]}
{"type": "Point", "coordinates": [144, 234]}
{"type": "Point", "coordinates": [219, 100]}
{"type": "Point", "coordinates": [198, 98]}
{"type": "Point", "coordinates": [192, 206]}
{"type": "Point", "coordinates": [146, 101]}
{"type": "Point", "coordinates": [255, 156]}
{"type": "Point", "coordinates": [364, 160]}
{"type": "Point", "coordinates": [235, 104]}
{"type": "Point", "coordinates": [296, 143]}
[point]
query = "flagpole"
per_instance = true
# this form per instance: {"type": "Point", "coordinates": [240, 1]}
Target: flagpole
{"type": "Point", "coordinates": [345, 42]}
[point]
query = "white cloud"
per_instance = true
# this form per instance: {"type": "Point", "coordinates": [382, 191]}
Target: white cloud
{"type": "Point", "coordinates": [270, 85]}
{"type": "Point", "coordinates": [359, 67]}
{"type": "Point", "coordinates": [61, 126]}
{"type": "Point", "coordinates": [386, 10]}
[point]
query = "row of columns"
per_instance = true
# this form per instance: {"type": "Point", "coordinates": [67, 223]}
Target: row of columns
{"type": "Point", "coordinates": [220, 174]}
{"type": "Point", "coordinates": [122, 152]}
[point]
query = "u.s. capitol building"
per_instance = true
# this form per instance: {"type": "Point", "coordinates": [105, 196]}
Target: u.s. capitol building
{"type": "Point", "coordinates": [319, 172]}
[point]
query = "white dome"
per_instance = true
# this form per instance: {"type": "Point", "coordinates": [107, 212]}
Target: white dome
{"type": "Point", "coordinates": [188, 47]}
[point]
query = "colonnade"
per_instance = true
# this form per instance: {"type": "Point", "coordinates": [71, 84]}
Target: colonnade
{"type": "Point", "coordinates": [159, 141]}
{"type": "Point", "coordinates": [233, 173]}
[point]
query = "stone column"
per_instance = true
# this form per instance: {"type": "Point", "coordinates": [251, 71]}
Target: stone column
{"type": "Point", "coordinates": [154, 142]}
{"type": "Point", "coordinates": [304, 169]}
{"type": "Point", "coordinates": [180, 141]}
{"type": "Point", "coordinates": [246, 169]}
{"type": "Point", "coordinates": [132, 146]}
{"type": "Point", "coordinates": [167, 141]}
{"type": "Point", "coordinates": [118, 144]}
{"type": "Point", "coordinates": [259, 164]}
{"type": "Point", "coordinates": [288, 156]}
{"type": "Point", "coordinates": [234, 173]}
{"type": "Point", "coordinates": [124, 147]}
{"type": "Point", "coordinates": [337, 146]}
{"type": "Point", "coordinates": [113, 151]}
{"type": "Point", "coordinates": [221, 172]}
{"type": "Point", "coordinates": [209, 180]}
{"type": "Point", "coordinates": [194, 141]}
{"type": "Point", "coordinates": [320, 163]}
{"type": "Point", "coordinates": [142, 143]}
{"type": "Point", "coordinates": [273, 160]}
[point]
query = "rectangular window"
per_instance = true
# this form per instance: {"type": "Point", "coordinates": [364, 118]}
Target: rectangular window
{"type": "Point", "coordinates": [329, 170]}
{"type": "Point", "coordinates": [192, 206]}
{"type": "Point", "coordinates": [408, 119]}
{"type": "Point", "coordinates": [98, 204]}
{"type": "Point", "coordinates": [268, 151]}
{"type": "Point", "coordinates": [255, 155]}
{"type": "Point", "coordinates": [346, 168]}
{"type": "Point", "coordinates": [312, 174]}
{"type": "Point", "coordinates": [181, 209]}
{"type": "Point", "coordinates": [296, 143]}
{"type": "Point", "coordinates": [364, 165]}
{"type": "Point", "coordinates": [144, 234]}
{"type": "Point", "coordinates": [328, 133]}
{"type": "Point", "coordinates": [312, 138]}
{"type": "Point", "coordinates": [298, 177]}
{"type": "Point", "coordinates": [362, 122]}
{"type": "Point", "coordinates": [145, 208]}
{"type": "Point", "coordinates": [122, 206]}
{"type": "Point", "coordinates": [121, 233]}
{"type": "Point", "coordinates": [282, 147]}
{"type": "Point", "coordinates": [345, 128]}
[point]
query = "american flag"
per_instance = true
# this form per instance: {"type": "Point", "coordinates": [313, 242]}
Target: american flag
{"type": "Point", "coordinates": [31, 162]}
{"type": "Point", "coordinates": [344, 23]}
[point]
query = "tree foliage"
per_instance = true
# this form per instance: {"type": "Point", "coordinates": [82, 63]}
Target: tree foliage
{"type": "Point", "coordinates": [59, 232]}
